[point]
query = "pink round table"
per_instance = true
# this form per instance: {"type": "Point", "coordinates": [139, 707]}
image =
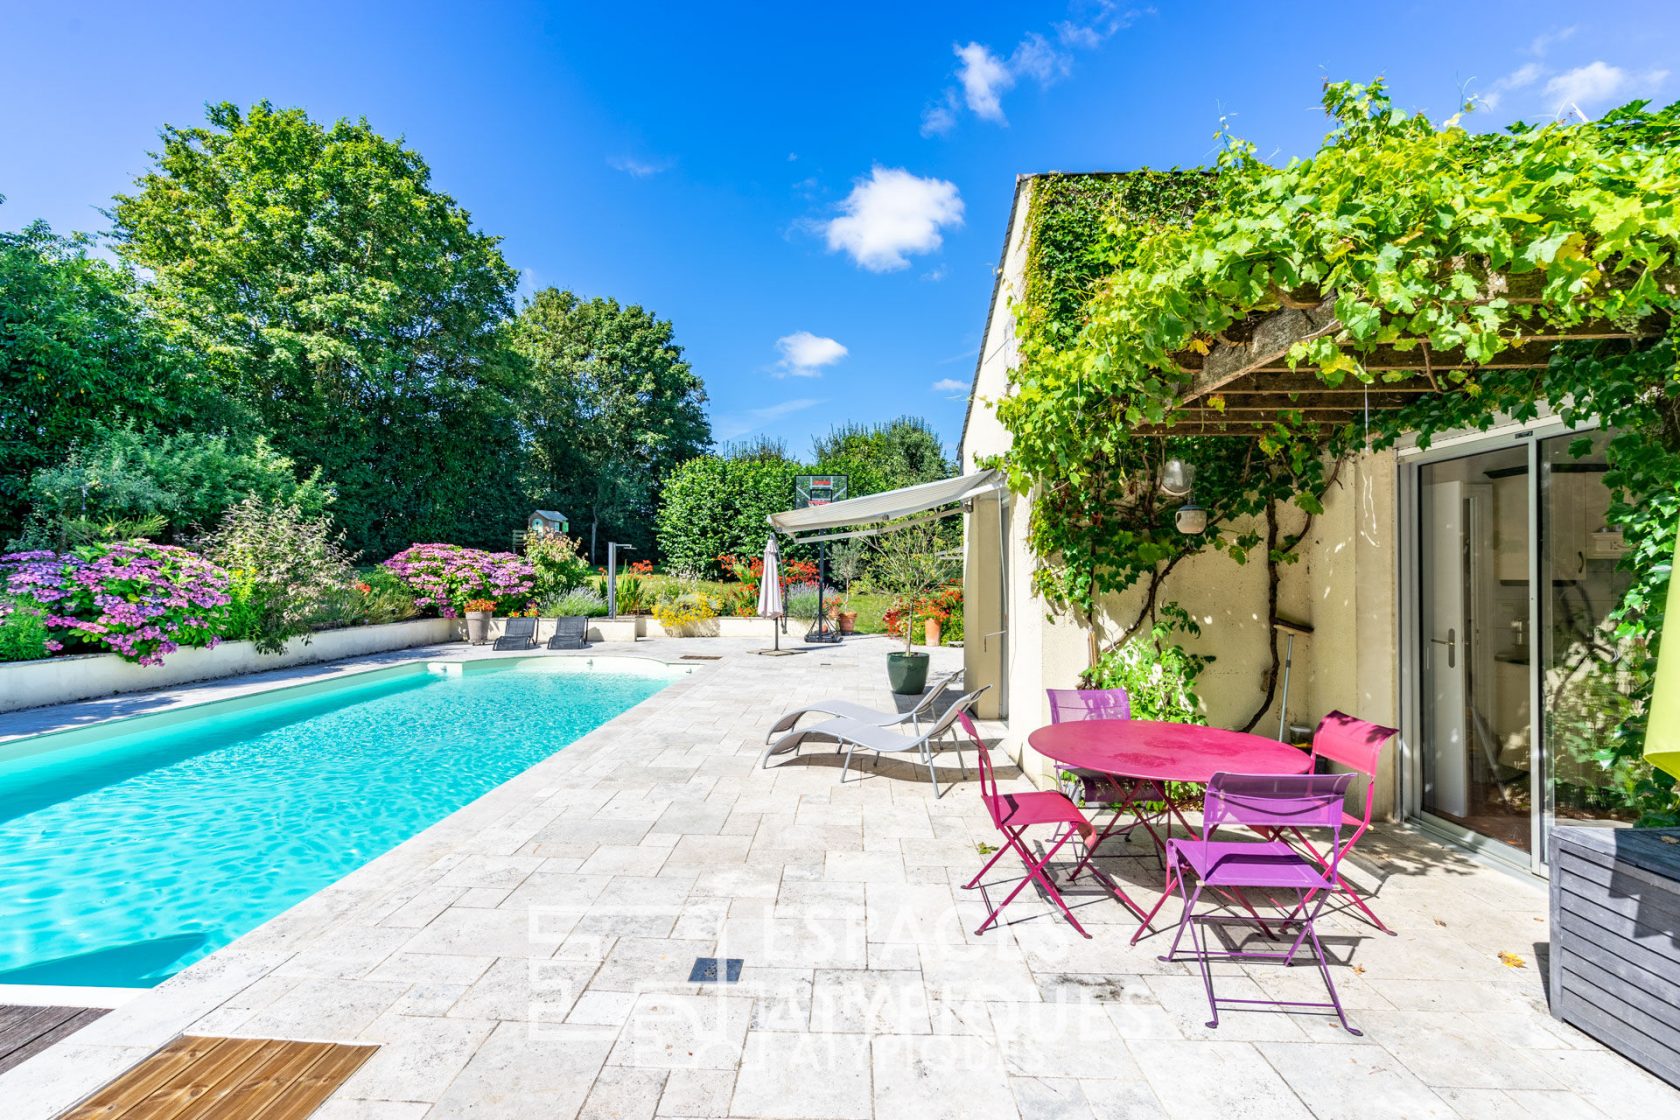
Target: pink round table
{"type": "Point", "coordinates": [1163, 752]}
{"type": "Point", "coordinates": [1144, 756]}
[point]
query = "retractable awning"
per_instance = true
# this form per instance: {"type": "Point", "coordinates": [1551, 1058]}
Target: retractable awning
{"type": "Point", "coordinates": [864, 516]}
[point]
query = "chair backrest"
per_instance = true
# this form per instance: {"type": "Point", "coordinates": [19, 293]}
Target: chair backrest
{"type": "Point", "coordinates": [571, 625]}
{"type": "Point", "coordinates": [520, 628]}
{"type": "Point", "coordinates": [1357, 744]}
{"type": "Point", "coordinates": [1070, 705]}
{"type": "Point", "coordinates": [958, 708]}
{"type": "Point", "coordinates": [940, 684]}
{"type": "Point", "coordinates": [1271, 801]}
{"type": "Point", "coordinates": [988, 777]}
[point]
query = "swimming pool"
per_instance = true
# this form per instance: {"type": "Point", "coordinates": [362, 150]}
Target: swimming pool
{"type": "Point", "coordinates": [130, 849]}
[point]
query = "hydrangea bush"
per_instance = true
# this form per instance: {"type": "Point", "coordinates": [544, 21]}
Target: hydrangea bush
{"type": "Point", "coordinates": [444, 576]}
{"type": "Point", "coordinates": [142, 601]}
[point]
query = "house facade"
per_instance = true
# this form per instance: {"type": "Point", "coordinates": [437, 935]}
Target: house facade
{"type": "Point", "coordinates": [1458, 593]}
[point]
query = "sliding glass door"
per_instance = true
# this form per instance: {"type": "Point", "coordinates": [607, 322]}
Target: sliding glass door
{"type": "Point", "coordinates": [1516, 575]}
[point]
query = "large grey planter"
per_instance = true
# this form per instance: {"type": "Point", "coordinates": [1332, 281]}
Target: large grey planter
{"type": "Point", "coordinates": [1615, 955]}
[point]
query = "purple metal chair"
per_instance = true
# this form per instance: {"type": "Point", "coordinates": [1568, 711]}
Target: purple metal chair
{"type": "Point", "coordinates": [1268, 804]}
{"type": "Point", "coordinates": [1094, 788]}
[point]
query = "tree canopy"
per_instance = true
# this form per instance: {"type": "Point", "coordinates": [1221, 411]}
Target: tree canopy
{"type": "Point", "coordinates": [74, 351]}
{"type": "Point", "coordinates": [611, 407]}
{"type": "Point", "coordinates": [353, 307]}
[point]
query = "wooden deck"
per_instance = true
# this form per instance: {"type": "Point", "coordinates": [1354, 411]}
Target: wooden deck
{"type": "Point", "coordinates": [226, 1079]}
{"type": "Point", "coordinates": [25, 1031]}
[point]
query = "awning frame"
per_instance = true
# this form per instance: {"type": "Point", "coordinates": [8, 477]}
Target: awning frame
{"type": "Point", "coordinates": [873, 514]}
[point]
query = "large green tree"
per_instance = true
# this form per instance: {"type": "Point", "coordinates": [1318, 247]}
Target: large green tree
{"type": "Point", "coordinates": [74, 350]}
{"type": "Point", "coordinates": [612, 408]}
{"type": "Point", "coordinates": [352, 306]}
{"type": "Point", "coordinates": [880, 457]}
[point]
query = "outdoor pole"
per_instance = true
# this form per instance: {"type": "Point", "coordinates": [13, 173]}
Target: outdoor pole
{"type": "Point", "coordinates": [822, 575]}
{"type": "Point", "coordinates": [612, 575]}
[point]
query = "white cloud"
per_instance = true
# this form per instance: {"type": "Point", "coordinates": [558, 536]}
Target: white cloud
{"type": "Point", "coordinates": [1596, 83]}
{"type": "Point", "coordinates": [984, 79]}
{"type": "Point", "coordinates": [983, 76]}
{"type": "Point", "coordinates": [805, 354]}
{"type": "Point", "coordinates": [734, 425]}
{"type": "Point", "coordinates": [940, 117]}
{"type": "Point", "coordinates": [640, 168]}
{"type": "Point", "coordinates": [893, 213]}
{"type": "Point", "coordinates": [1520, 78]}
{"type": "Point", "coordinates": [1543, 43]}
{"type": "Point", "coordinates": [950, 385]}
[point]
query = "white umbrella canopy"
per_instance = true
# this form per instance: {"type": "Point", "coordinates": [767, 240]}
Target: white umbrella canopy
{"type": "Point", "coordinates": [770, 591]}
{"type": "Point", "coordinates": [770, 583]}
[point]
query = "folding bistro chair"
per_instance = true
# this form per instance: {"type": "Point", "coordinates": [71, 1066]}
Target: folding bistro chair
{"type": "Point", "coordinates": [1072, 705]}
{"type": "Point", "coordinates": [1358, 745]}
{"type": "Point", "coordinates": [1013, 814]}
{"type": "Point", "coordinates": [1267, 804]}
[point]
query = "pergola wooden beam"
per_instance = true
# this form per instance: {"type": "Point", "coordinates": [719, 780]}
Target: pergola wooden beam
{"type": "Point", "coordinates": [1245, 381]}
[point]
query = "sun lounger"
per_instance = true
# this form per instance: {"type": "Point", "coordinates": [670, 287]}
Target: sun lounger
{"type": "Point", "coordinates": [521, 633]}
{"type": "Point", "coordinates": [570, 632]}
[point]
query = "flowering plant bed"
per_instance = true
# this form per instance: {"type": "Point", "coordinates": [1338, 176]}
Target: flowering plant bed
{"type": "Point", "coordinates": [444, 576]}
{"type": "Point", "coordinates": [141, 601]}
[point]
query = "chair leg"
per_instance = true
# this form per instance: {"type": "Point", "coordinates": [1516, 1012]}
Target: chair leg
{"type": "Point", "coordinates": [846, 765]}
{"type": "Point", "coordinates": [927, 755]}
{"type": "Point", "coordinates": [1035, 874]}
{"type": "Point", "coordinates": [997, 855]}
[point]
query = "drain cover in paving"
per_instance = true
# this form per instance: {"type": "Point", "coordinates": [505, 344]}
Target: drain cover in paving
{"type": "Point", "coordinates": [706, 970]}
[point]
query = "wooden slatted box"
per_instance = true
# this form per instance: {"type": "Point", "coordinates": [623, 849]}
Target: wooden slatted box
{"type": "Point", "coordinates": [1615, 954]}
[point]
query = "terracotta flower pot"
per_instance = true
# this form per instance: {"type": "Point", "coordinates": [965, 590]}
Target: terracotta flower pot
{"type": "Point", "coordinates": [848, 622]}
{"type": "Point", "coordinates": [930, 630]}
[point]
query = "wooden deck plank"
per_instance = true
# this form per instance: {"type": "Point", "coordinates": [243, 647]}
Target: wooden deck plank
{"type": "Point", "coordinates": [78, 1018]}
{"type": "Point", "coordinates": [226, 1079]}
{"type": "Point", "coordinates": [278, 1065]}
{"type": "Point", "coordinates": [304, 1095]}
{"type": "Point", "coordinates": [152, 1073]}
{"type": "Point", "coordinates": [204, 1076]}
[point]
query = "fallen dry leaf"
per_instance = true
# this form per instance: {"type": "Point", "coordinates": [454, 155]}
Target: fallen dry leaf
{"type": "Point", "coordinates": [1440, 923]}
{"type": "Point", "coordinates": [1359, 970]}
{"type": "Point", "coordinates": [1669, 839]}
{"type": "Point", "coordinates": [1511, 960]}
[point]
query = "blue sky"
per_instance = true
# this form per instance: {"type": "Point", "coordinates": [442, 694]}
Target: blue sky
{"type": "Point", "coordinates": [814, 194]}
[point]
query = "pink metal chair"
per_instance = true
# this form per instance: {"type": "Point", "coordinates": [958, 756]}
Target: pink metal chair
{"type": "Point", "coordinates": [1013, 814]}
{"type": "Point", "coordinates": [1358, 745]}
{"type": "Point", "coordinates": [1268, 804]}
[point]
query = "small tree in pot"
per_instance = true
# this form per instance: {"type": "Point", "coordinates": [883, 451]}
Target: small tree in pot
{"type": "Point", "coordinates": [911, 564]}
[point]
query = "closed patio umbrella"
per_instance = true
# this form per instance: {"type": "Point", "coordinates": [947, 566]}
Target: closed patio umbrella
{"type": "Point", "coordinates": [770, 588]}
{"type": "Point", "coordinates": [1662, 729]}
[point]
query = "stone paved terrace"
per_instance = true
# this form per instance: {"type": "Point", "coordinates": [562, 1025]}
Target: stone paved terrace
{"type": "Point", "coordinates": [529, 956]}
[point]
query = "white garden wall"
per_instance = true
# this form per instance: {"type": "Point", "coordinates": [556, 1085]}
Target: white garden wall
{"type": "Point", "coordinates": [58, 680]}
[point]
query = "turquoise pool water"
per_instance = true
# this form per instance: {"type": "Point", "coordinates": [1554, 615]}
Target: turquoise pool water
{"type": "Point", "coordinates": [130, 850]}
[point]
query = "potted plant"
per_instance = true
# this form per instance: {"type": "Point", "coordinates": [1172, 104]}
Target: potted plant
{"type": "Point", "coordinates": [478, 620]}
{"type": "Point", "coordinates": [913, 562]}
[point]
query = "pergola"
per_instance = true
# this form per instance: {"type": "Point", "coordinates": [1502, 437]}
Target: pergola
{"type": "Point", "coordinates": [1245, 381]}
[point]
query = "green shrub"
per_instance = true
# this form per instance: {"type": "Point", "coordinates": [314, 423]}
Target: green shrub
{"type": "Point", "coordinates": [382, 597]}
{"type": "Point", "coordinates": [290, 574]}
{"type": "Point", "coordinates": [23, 631]}
{"type": "Point", "coordinates": [1159, 675]}
{"type": "Point", "coordinates": [123, 482]}
{"type": "Point", "coordinates": [558, 564]}
{"type": "Point", "coordinates": [583, 601]}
